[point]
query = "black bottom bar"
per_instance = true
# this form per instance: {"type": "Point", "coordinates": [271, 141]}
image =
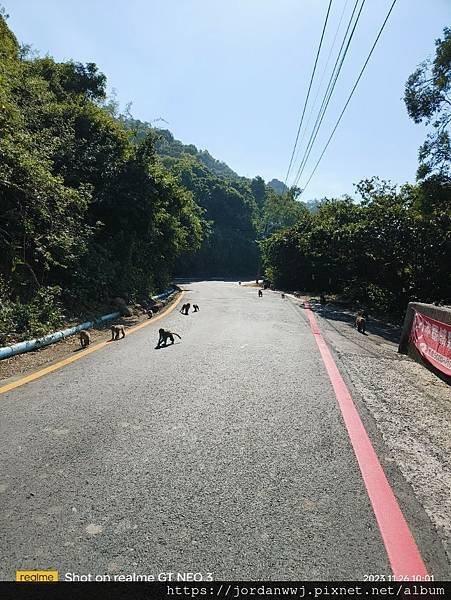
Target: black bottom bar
{"type": "Point", "coordinates": [254, 590]}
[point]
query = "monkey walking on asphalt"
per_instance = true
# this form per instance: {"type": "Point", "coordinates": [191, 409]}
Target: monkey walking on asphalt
{"type": "Point", "coordinates": [166, 335]}
{"type": "Point", "coordinates": [260, 294]}
{"type": "Point", "coordinates": [196, 307]}
{"type": "Point", "coordinates": [85, 339]}
{"type": "Point", "coordinates": [117, 330]}
{"type": "Point", "coordinates": [185, 308]}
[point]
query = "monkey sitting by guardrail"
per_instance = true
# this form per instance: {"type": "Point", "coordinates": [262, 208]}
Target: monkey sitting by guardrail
{"type": "Point", "coordinates": [360, 321]}
{"type": "Point", "coordinates": [117, 330]}
{"type": "Point", "coordinates": [85, 339]}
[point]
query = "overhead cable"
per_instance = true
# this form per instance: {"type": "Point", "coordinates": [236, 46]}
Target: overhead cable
{"type": "Point", "coordinates": [351, 94]}
{"type": "Point", "coordinates": [309, 88]}
{"type": "Point", "coordinates": [330, 88]}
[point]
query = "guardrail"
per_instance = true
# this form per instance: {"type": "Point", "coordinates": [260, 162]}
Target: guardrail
{"type": "Point", "coordinates": [165, 294]}
{"type": "Point", "coordinates": [51, 338]}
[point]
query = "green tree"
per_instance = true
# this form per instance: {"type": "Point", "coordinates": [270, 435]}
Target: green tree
{"type": "Point", "coordinates": [427, 98]}
{"type": "Point", "coordinates": [87, 209]}
{"type": "Point", "coordinates": [280, 211]}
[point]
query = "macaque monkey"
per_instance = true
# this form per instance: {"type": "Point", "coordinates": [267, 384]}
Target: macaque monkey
{"type": "Point", "coordinates": [185, 308]}
{"type": "Point", "coordinates": [85, 339]}
{"type": "Point", "coordinates": [239, 283]}
{"type": "Point", "coordinates": [166, 335]}
{"type": "Point", "coordinates": [147, 308]}
{"type": "Point", "coordinates": [282, 295]}
{"type": "Point", "coordinates": [360, 321]}
{"type": "Point", "coordinates": [196, 308]}
{"type": "Point", "coordinates": [117, 330]}
{"type": "Point", "coordinates": [260, 294]}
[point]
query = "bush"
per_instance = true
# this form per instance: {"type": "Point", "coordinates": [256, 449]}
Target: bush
{"type": "Point", "coordinates": [20, 322]}
{"type": "Point", "coordinates": [371, 295]}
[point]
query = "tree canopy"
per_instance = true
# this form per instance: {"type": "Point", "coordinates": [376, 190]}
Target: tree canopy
{"type": "Point", "coordinates": [86, 211]}
{"type": "Point", "coordinates": [427, 98]}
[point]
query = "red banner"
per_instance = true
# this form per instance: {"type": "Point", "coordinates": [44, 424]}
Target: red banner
{"type": "Point", "coordinates": [432, 339]}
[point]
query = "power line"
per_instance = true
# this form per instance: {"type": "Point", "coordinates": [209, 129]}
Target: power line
{"type": "Point", "coordinates": [321, 81]}
{"type": "Point", "coordinates": [351, 94]}
{"type": "Point", "coordinates": [309, 88]}
{"type": "Point", "coordinates": [330, 88]}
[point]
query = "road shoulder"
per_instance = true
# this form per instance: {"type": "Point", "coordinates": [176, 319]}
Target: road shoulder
{"type": "Point", "coordinates": [410, 409]}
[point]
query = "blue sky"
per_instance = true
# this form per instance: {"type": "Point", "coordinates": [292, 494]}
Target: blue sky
{"type": "Point", "coordinates": [231, 75]}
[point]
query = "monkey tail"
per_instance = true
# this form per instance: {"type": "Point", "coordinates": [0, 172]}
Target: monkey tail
{"type": "Point", "coordinates": [177, 335]}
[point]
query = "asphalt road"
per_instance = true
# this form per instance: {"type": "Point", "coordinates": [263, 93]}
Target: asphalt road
{"type": "Point", "coordinates": [225, 453]}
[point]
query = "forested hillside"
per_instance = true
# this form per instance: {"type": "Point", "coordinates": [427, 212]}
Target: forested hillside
{"type": "Point", "coordinates": [85, 213]}
{"type": "Point", "coordinates": [229, 206]}
{"type": "Point", "coordinates": [96, 205]}
{"type": "Point", "coordinates": [238, 212]}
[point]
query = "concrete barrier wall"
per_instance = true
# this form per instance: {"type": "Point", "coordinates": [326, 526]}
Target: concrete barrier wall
{"type": "Point", "coordinates": [439, 313]}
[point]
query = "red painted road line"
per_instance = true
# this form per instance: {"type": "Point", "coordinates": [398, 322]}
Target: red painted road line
{"type": "Point", "coordinates": [402, 551]}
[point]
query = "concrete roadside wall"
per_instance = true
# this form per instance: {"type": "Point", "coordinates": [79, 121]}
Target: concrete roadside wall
{"type": "Point", "coordinates": [439, 313]}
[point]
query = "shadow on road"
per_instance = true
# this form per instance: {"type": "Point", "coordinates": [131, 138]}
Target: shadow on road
{"type": "Point", "coordinates": [374, 326]}
{"type": "Point", "coordinates": [187, 280]}
{"type": "Point", "coordinates": [166, 346]}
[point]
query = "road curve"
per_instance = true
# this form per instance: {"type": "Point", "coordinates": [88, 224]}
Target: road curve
{"type": "Point", "coordinates": [225, 453]}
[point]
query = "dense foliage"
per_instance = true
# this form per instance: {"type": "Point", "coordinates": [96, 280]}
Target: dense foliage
{"type": "Point", "coordinates": [85, 211]}
{"type": "Point", "coordinates": [427, 98]}
{"type": "Point", "coordinates": [96, 204]}
{"type": "Point", "coordinates": [392, 247]}
{"type": "Point", "coordinates": [238, 211]}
